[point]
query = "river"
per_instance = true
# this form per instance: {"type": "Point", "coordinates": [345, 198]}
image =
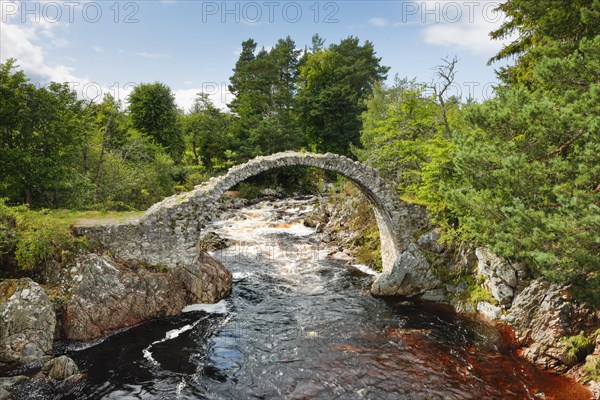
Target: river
{"type": "Point", "coordinates": [302, 325]}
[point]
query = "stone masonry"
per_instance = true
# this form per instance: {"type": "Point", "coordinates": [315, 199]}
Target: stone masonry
{"type": "Point", "coordinates": [168, 232]}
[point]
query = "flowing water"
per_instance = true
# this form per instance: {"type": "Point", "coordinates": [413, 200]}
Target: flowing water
{"type": "Point", "coordinates": [302, 325]}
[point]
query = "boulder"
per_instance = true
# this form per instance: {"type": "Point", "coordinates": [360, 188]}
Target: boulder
{"type": "Point", "coordinates": [104, 296]}
{"type": "Point", "coordinates": [502, 277]}
{"type": "Point", "coordinates": [211, 242]}
{"type": "Point", "coordinates": [27, 321]}
{"type": "Point", "coordinates": [410, 276]}
{"type": "Point", "coordinates": [489, 310]}
{"type": "Point", "coordinates": [541, 315]}
{"type": "Point", "coordinates": [205, 280]}
{"type": "Point", "coordinates": [317, 218]}
{"type": "Point", "coordinates": [437, 295]}
{"type": "Point", "coordinates": [60, 368]}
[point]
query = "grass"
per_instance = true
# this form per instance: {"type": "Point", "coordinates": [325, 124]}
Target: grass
{"type": "Point", "coordinates": [592, 367]}
{"type": "Point", "coordinates": [91, 218]}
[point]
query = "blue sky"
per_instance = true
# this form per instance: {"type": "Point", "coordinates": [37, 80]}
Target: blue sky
{"type": "Point", "coordinates": [108, 46]}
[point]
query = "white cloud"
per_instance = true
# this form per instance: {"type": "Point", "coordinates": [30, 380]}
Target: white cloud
{"type": "Point", "coordinates": [21, 43]}
{"type": "Point", "coordinates": [218, 94]}
{"type": "Point", "coordinates": [379, 22]}
{"type": "Point", "coordinates": [473, 37]}
{"type": "Point", "coordinates": [28, 42]}
{"type": "Point", "coordinates": [151, 55]}
{"type": "Point", "coordinates": [98, 49]}
{"type": "Point", "coordinates": [461, 24]}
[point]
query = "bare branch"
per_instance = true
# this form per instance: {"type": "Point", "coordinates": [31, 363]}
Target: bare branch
{"type": "Point", "coordinates": [446, 72]}
{"type": "Point", "coordinates": [560, 149]}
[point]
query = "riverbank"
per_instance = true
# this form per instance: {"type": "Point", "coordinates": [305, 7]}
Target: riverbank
{"type": "Point", "coordinates": [554, 331]}
{"type": "Point", "coordinates": [338, 223]}
{"type": "Point", "coordinates": [300, 311]}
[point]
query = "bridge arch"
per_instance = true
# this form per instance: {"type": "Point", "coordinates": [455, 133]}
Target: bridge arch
{"type": "Point", "coordinates": [169, 230]}
{"type": "Point", "coordinates": [180, 214]}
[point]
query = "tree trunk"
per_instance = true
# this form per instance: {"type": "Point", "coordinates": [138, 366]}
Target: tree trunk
{"type": "Point", "coordinates": [28, 197]}
{"type": "Point", "coordinates": [98, 170]}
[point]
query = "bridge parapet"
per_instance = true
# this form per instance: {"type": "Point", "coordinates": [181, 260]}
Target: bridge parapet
{"type": "Point", "coordinates": [169, 230]}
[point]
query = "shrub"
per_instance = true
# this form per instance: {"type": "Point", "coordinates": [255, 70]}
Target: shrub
{"type": "Point", "coordinates": [250, 191]}
{"type": "Point", "coordinates": [577, 347]}
{"type": "Point", "coordinates": [8, 237]}
{"type": "Point", "coordinates": [366, 244]}
{"type": "Point", "coordinates": [592, 367]}
{"type": "Point", "coordinates": [35, 242]}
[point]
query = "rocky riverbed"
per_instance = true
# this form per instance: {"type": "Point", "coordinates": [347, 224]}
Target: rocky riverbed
{"type": "Point", "coordinates": [95, 297]}
{"type": "Point", "coordinates": [99, 295]}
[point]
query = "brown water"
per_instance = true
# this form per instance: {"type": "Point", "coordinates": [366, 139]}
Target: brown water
{"type": "Point", "coordinates": [301, 326]}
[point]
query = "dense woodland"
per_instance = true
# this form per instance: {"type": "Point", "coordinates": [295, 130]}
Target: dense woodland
{"type": "Point", "coordinates": [519, 172]}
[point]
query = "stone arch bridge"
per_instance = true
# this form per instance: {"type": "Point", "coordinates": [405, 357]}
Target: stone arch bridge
{"type": "Point", "coordinates": [168, 232]}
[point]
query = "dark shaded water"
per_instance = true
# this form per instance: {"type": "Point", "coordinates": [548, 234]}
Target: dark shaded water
{"type": "Point", "coordinates": [301, 326]}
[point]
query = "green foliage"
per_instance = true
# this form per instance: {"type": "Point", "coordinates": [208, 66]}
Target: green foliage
{"type": "Point", "coordinates": [519, 173]}
{"type": "Point", "coordinates": [195, 175]}
{"type": "Point", "coordinates": [366, 245]}
{"type": "Point", "coordinates": [205, 129]}
{"type": "Point", "coordinates": [333, 87]}
{"type": "Point", "coordinates": [134, 177]}
{"type": "Point", "coordinates": [286, 180]}
{"type": "Point", "coordinates": [546, 29]}
{"type": "Point", "coordinates": [368, 250]}
{"type": "Point", "coordinates": [250, 191]}
{"type": "Point", "coordinates": [592, 367]}
{"type": "Point", "coordinates": [578, 347]}
{"type": "Point", "coordinates": [7, 226]}
{"type": "Point", "coordinates": [41, 133]}
{"type": "Point", "coordinates": [528, 170]}
{"type": "Point", "coordinates": [154, 112]}
{"type": "Point", "coordinates": [264, 103]}
{"type": "Point", "coordinates": [37, 241]}
{"type": "Point", "coordinates": [476, 293]}
{"type": "Point", "coordinates": [58, 153]}
{"type": "Point", "coordinates": [404, 137]}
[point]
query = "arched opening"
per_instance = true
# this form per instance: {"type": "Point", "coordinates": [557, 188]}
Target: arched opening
{"type": "Point", "coordinates": [177, 219]}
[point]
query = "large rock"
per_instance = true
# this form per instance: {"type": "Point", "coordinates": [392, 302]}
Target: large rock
{"type": "Point", "coordinates": [410, 276]}
{"type": "Point", "coordinates": [541, 315]}
{"type": "Point", "coordinates": [206, 280]}
{"type": "Point", "coordinates": [60, 368]}
{"type": "Point", "coordinates": [317, 218]}
{"type": "Point", "coordinates": [103, 296]}
{"type": "Point", "coordinates": [502, 277]}
{"type": "Point", "coordinates": [211, 242]}
{"type": "Point", "coordinates": [489, 311]}
{"type": "Point", "coordinates": [27, 321]}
